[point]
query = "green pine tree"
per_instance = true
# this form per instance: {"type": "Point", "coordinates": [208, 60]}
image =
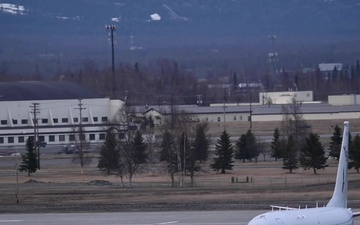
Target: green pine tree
{"type": "Point", "coordinates": [335, 143]}
{"type": "Point", "coordinates": [241, 152]}
{"type": "Point", "coordinates": [109, 154]}
{"type": "Point", "coordinates": [251, 146]}
{"type": "Point", "coordinates": [290, 160]}
{"type": "Point", "coordinates": [29, 159]}
{"type": "Point", "coordinates": [312, 155]}
{"type": "Point", "coordinates": [246, 147]}
{"type": "Point", "coordinates": [224, 153]}
{"type": "Point", "coordinates": [276, 145]}
{"type": "Point", "coordinates": [140, 149]}
{"type": "Point", "coordinates": [201, 143]}
{"type": "Point", "coordinates": [354, 154]}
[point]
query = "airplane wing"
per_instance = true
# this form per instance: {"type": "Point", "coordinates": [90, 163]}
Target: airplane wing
{"type": "Point", "coordinates": [355, 214]}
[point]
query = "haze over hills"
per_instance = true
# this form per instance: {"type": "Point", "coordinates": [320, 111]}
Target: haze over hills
{"type": "Point", "coordinates": [66, 31]}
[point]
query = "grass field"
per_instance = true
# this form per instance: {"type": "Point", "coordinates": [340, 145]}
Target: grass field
{"type": "Point", "coordinates": [62, 183]}
{"type": "Point", "coordinates": [59, 182]}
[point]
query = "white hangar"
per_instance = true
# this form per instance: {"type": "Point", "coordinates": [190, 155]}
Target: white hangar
{"type": "Point", "coordinates": [57, 111]}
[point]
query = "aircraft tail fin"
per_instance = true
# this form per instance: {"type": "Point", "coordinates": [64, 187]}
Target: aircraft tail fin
{"type": "Point", "coordinates": [339, 198]}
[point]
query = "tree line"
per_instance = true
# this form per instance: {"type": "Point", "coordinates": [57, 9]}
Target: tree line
{"type": "Point", "coordinates": [165, 81]}
{"type": "Point", "coordinates": [181, 148]}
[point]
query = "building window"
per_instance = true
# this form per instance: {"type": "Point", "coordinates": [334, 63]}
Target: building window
{"type": "Point", "coordinates": [14, 121]}
{"type": "Point", "coordinates": [10, 140]}
{"type": "Point", "coordinates": [41, 138]}
{"type": "Point", "coordinates": [95, 119]}
{"type": "Point", "coordinates": [102, 136]}
{"type": "Point", "coordinates": [71, 137]}
{"type": "Point", "coordinates": [240, 117]}
{"type": "Point", "coordinates": [44, 120]}
{"type": "Point", "coordinates": [51, 138]}
{"type": "Point", "coordinates": [3, 122]}
{"type": "Point", "coordinates": [207, 119]}
{"type": "Point", "coordinates": [219, 119]}
{"type": "Point", "coordinates": [76, 120]}
{"type": "Point", "coordinates": [62, 137]}
{"type": "Point", "coordinates": [1, 140]}
{"type": "Point", "coordinates": [64, 120]}
{"type": "Point", "coordinates": [82, 137]}
{"type": "Point", "coordinates": [234, 118]}
{"type": "Point", "coordinates": [24, 121]}
{"type": "Point", "coordinates": [55, 120]}
{"type": "Point", "coordinates": [85, 119]}
{"type": "Point", "coordinates": [21, 139]}
{"type": "Point", "coordinates": [104, 119]}
{"type": "Point", "coordinates": [92, 137]}
{"type": "Point", "coordinates": [307, 95]}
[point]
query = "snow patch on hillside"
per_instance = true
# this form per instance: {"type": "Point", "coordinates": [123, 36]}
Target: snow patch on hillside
{"type": "Point", "coordinates": [12, 9]}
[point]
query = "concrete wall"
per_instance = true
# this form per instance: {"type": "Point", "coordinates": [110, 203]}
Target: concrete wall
{"type": "Point", "coordinates": [285, 97]}
{"type": "Point", "coordinates": [344, 99]}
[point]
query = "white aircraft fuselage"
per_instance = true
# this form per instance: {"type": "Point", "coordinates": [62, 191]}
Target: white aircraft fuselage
{"type": "Point", "coordinates": [311, 216]}
{"type": "Point", "coordinates": [335, 212]}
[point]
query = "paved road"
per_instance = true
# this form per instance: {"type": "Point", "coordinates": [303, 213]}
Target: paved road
{"type": "Point", "coordinates": [133, 218]}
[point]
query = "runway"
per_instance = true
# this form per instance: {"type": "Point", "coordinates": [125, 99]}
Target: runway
{"type": "Point", "coordinates": [133, 218]}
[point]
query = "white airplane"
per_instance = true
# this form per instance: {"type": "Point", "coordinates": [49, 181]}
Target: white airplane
{"type": "Point", "coordinates": [335, 212]}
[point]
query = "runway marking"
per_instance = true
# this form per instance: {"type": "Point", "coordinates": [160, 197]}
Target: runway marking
{"type": "Point", "coordinates": [170, 222]}
{"type": "Point", "coordinates": [10, 221]}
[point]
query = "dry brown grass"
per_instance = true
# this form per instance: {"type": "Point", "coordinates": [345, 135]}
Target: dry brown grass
{"type": "Point", "coordinates": [63, 184]}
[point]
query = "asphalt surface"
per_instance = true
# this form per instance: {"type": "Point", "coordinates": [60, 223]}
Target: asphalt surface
{"type": "Point", "coordinates": [133, 218]}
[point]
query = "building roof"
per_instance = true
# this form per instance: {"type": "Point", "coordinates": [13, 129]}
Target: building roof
{"type": "Point", "coordinates": [44, 90]}
{"type": "Point", "coordinates": [310, 108]}
{"type": "Point", "coordinates": [326, 67]}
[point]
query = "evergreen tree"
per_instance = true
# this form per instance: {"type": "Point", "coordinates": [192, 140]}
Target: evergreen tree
{"type": "Point", "coordinates": [335, 143]}
{"type": "Point", "coordinates": [109, 154]}
{"type": "Point", "coordinates": [169, 155]}
{"type": "Point", "coordinates": [290, 160]}
{"type": "Point", "coordinates": [313, 154]}
{"type": "Point", "coordinates": [29, 159]}
{"type": "Point", "coordinates": [354, 154]}
{"type": "Point", "coordinates": [201, 143]}
{"type": "Point", "coordinates": [276, 148]}
{"type": "Point", "coordinates": [241, 152]}
{"type": "Point", "coordinates": [251, 146]}
{"type": "Point", "coordinates": [246, 147]}
{"type": "Point", "coordinates": [140, 149]}
{"type": "Point", "coordinates": [224, 153]}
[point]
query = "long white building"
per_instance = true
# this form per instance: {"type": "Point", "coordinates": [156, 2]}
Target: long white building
{"type": "Point", "coordinates": [57, 108]}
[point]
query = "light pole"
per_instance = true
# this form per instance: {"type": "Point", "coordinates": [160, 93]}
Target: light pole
{"type": "Point", "coordinates": [112, 28]}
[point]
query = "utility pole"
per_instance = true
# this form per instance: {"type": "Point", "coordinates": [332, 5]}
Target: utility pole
{"type": "Point", "coordinates": [250, 118]}
{"type": "Point", "coordinates": [112, 28]}
{"type": "Point", "coordinates": [224, 107]}
{"type": "Point", "coordinates": [199, 100]}
{"type": "Point", "coordinates": [35, 108]}
{"type": "Point", "coordinates": [81, 135]}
